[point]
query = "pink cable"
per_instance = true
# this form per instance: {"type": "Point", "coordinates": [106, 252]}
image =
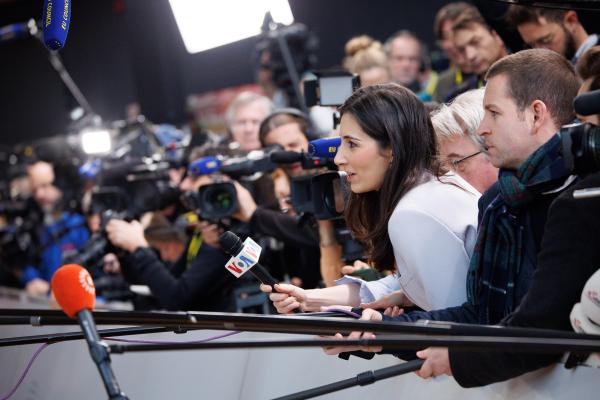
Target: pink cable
{"type": "Point", "coordinates": [43, 346]}
{"type": "Point", "coordinates": [37, 353]}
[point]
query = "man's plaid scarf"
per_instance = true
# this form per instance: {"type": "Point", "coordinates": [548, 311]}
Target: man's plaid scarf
{"type": "Point", "coordinates": [498, 252]}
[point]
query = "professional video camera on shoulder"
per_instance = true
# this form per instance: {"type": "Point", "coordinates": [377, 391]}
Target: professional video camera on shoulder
{"type": "Point", "coordinates": [218, 200]}
{"type": "Point", "coordinates": [126, 189]}
{"type": "Point", "coordinates": [322, 194]}
{"type": "Point", "coordinates": [135, 186]}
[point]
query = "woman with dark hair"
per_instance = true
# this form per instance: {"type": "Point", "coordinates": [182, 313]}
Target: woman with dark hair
{"type": "Point", "coordinates": [415, 219]}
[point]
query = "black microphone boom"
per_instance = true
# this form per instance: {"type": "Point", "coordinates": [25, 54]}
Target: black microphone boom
{"type": "Point", "coordinates": [285, 157]}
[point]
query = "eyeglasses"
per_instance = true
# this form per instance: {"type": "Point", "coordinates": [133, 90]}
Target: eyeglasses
{"type": "Point", "coordinates": [455, 163]}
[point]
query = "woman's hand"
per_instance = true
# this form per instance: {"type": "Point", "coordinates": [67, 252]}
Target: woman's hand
{"type": "Point", "coordinates": [286, 298]}
{"type": "Point", "coordinates": [367, 315]}
{"type": "Point", "coordinates": [391, 303]}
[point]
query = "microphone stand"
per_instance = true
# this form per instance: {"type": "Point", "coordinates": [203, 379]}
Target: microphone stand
{"type": "Point", "coordinates": [100, 355]}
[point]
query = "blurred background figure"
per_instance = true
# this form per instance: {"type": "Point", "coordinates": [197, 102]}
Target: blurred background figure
{"type": "Point", "coordinates": [366, 58]}
{"type": "Point", "coordinates": [244, 115]}
{"type": "Point", "coordinates": [459, 70]}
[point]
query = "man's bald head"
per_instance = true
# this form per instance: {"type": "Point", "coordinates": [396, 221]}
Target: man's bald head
{"type": "Point", "coordinates": [41, 180]}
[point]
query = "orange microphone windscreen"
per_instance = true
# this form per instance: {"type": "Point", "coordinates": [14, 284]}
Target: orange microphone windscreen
{"type": "Point", "coordinates": [73, 289]}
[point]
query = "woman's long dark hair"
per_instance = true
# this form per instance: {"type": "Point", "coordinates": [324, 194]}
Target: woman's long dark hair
{"type": "Point", "coordinates": [396, 119]}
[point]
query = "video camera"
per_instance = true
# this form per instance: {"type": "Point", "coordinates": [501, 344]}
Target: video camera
{"type": "Point", "coordinates": [581, 141]}
{"type": "Point", "coordinates": [126, 189]}
{"type": "Point", "coordinates": [218, 201]}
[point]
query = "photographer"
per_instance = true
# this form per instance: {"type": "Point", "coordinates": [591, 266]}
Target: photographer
{"type": "Point", "coordinates": [62, 233]}
{"type": "Point", "coordinates": [402, 202]}
{"type": "Point", "coordinates": [196, 281]}
{"type": "Point", "coordinates": [286, 128]}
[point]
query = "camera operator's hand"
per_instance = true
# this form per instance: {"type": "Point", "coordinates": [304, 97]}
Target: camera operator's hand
{"type": "Point", "coordinates": [111, 264]}
{"type": "Point", "coordinates": [126, 235]}
{"type": "Point", "coordinates": [286, 298]}
{"type": "Point", "coordinates": [210, 233]}
{"type": "Point", "coordinates": [246, 204]}
{"type": "Point", "coordinates": [367, 315]}
{"type": "Point", "coordinates": [37, 287]}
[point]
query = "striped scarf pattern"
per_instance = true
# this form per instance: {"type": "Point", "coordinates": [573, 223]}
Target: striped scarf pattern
{"type": "Point", "coordinates": [498, 252]}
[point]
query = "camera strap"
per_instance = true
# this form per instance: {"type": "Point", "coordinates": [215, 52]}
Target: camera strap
{"type": "Point", "coordinates": [193, 247]}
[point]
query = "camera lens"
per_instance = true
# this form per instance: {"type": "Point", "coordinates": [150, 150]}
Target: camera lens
{"type": "Point", "coordinates": [221, 200]}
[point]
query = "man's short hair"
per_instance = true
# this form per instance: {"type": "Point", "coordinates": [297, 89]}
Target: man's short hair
{"type": "Point", "coordinates": [588, 65]}
{"type": "Point", "coordinates": [160, 229]}
{"type": "Point", "coordinates": [280, 118]}
{"type": "Point", "coordinates": [519, 15]}
{"type": "Point", "coordinates": [460, 118]}
{"type": "Point", "coordinates": [469, 17]}
{"type": "Point", "coordinates": [540, 74]}
{"type": "Point", "coordinates": [243, 99]}
{"type": "Point", "coordinates": [450, 12]}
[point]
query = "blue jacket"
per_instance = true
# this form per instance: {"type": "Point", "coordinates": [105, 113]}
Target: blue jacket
{"type": "Point", "coordinates": [69, 233]}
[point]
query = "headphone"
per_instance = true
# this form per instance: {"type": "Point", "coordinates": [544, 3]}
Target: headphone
{"type": "Point", "coordinates": [294, 112]}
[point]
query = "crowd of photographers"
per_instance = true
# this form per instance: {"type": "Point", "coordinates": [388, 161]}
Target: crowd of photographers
{"type": "Point", "coordinates": [443, 196]}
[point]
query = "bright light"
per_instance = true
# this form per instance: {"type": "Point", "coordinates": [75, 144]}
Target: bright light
{"type": "Point", "coordinates": [96, 142]}
{"type": "Point", "coordinates": [205, 25]}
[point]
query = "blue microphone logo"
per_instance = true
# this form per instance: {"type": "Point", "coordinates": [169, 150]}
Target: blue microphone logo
{"type": "Point", "coordinates": [57, 15]}
{"type": "Point", "coordinates": [326, 148]}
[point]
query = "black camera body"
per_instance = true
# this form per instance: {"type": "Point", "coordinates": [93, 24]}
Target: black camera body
{"type": "Point", "coordinates": [581, 147]}
{"type": "Point", "coordinates": [127, 189]}
{"type": "Point", "coordinates": [218, 201]}
{"type": "Point", "coordinates": [322, 195]}
{"type": "Point", "coordinates": [213, 202]}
